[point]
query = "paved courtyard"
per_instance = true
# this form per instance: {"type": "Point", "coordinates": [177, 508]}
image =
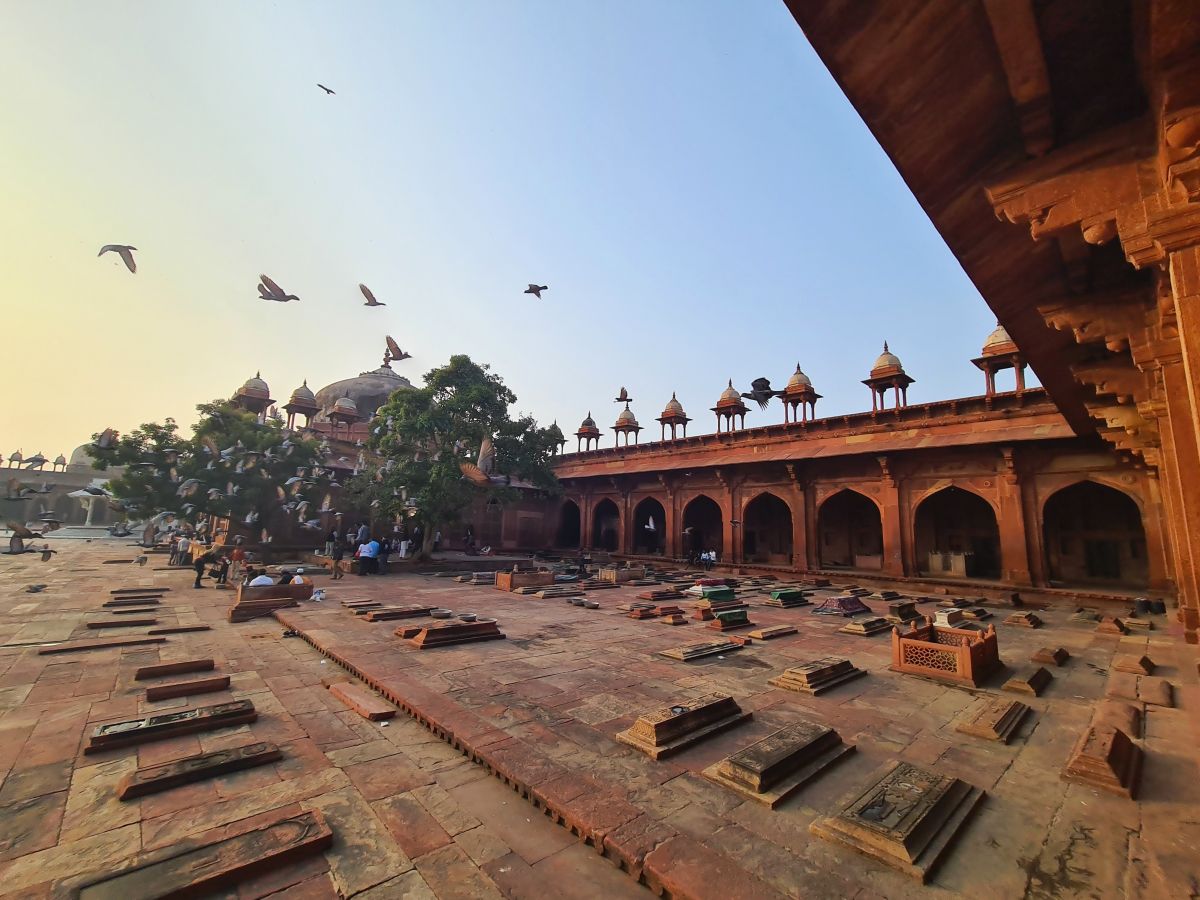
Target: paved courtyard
{"type": "Point", "coordinates": [416, 815]}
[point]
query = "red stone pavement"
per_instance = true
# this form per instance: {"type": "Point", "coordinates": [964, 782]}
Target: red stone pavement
{"type": "Point", "coordinates": [428, 804]}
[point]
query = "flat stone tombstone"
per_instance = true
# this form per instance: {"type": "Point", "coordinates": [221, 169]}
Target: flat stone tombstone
{"type": "Point", "coordinates": [817, 676]}
{"type": "Point", "coordinates": [1133, 623]}
{"type": "Point", "coordinates": [901, 611]}
{"type": "Point", "coordinates": [846, 605]}
{"type": "Point", "coordinates": [994, 720]}
{"type": "Point", "coordinates": [1130, 662]}
{"type": "Point", "coordinates": [1031, 683]}
{"type": "Point", "coordinates": [179, 667]}
{"type": "Point", "coordinates": [780, 764]}
{"type": "Point", "coordinates": [773, 631]}
{"type": "Point", "coordinates": [152, 779]}
{"type": "Point", "coordinates": [1054, 656]}
{"type": "Point", "coordinates": [195, 869]}
{"type": "Point", "coordinates": [675, 619]}
{"type": "Point", "coordinates": [1024, 620]}
{"type": "Point", "coordinates": [164, 725]}
{"type": "Point", "coordinates": [457, 633]}
{"type": "Point", "coordinates": [976, 613]}
{"type": "Point", "coordinates": [1140, 689]}
{"type": "Point", "coordinates": [948, 618]}
{"type": "Point", "coordinates": [906, 818]}
{"type": "Point", "coordinates": [1111, 625]}
{"type": "Point", "coordinates": [700, 649]}
{"type": "Point", "coordinates": [1125, 716]}
{"type": "Point", "coordinates": [866, 627]}
{"type": "Point", "coordinates": [1085, 614]}
{"type": "Point", "coordinates": [397, 612]}
{"type": "Point", "coordinates": [671, 729]}
{"type": "Point", "coordinates": [1104, 757]}
{"type": "Point", "coordinates": [187, 688]}
{"type": "Point", "coordinates": [787, 598]}
{"type": "Point", "coordinates": [729, 619]}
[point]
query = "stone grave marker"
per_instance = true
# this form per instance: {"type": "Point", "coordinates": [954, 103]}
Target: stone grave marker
{"type": "Point", "coordinates": [700, 649]}
{"type": "Point", "coordinates": [152, 779]}
{"type": "Point", "coordinates": [180, 667]}
{"type": "Point", "coordinates": [1029, 683]}
{"type": "Point", "coordinates": [902, 611]}
{"type": "Point", "coordinates": [817, 676]}
{"type": "Point", "coordinates": [1130, 662]}
{"type": "Point", "coordinates": [774, 768]}
{"type": "Point", "coordinates": [730, 619]}
{"type": "Point", "coordinates": [671, 729]}
{"type": "Point", "coordinates": [773, 631]}
{"type": "Point", "coordinates": [1111, 625]}
{"type": "Point", "coordinates": [1104, 757]}
{"type": "Point", "coordinates": [1052, 656]}
{"type": "Point", "coordinates": [448, 633]}
{"type": "Point", "coordinates": [866, 627]}
{"type": "Point", "coordinates": [187, 688]}
{"type": "Point", "coordinates": [164, 725]}
{"type": "Point", "coordinates": [788, 598]}
{"type": "Point", "coordinates": [993, 720]}
{"type": "Point", "coordinates": [1024, 620]}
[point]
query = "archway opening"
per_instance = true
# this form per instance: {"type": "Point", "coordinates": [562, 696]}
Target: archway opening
{"type": "Point", "coordinates": [956, 535]}
{"type": "Point", "coordinates": [702, 527]}
{"type": "Point", "coordinates": [1093, 534]}
{"type": "Point", "coordinates": [567, 536]}
{"type": "Point", "coordinates": [606, 526]}
{"type": "Point", "coordinates": [649, 520]}
{"type": "Point", "coordinates": [851, 532]}
{"type": "Point", "coordinates": [767, 531]}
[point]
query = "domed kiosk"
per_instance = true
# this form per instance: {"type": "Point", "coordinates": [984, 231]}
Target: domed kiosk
{"type": "Point", "coordinates": [888, 375]}
{"type": "Point", "coordinates": [587, 435]}
{"type": "Point", "coordinates": [674, 416]}
{"type": "Point", "coordinates": [1000, 352]}
{"type": "Point", "coordinates": [800, 393]}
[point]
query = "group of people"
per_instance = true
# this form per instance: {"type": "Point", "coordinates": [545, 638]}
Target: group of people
{"type": "Point", "coordinates": [226, 563]}
{"type": "Point", "coordinates": [373, 554]}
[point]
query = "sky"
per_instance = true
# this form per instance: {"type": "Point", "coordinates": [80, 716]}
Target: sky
{"type": "Point", "coordinates": [701, 199]}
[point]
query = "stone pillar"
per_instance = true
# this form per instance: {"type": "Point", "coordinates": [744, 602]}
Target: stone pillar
{"type": "Point", "coordinates": [1010, 518]}
{"type": "Point", "coordinates": [812, 548]}
{"type": "Point", "coordinates": [585, 522]}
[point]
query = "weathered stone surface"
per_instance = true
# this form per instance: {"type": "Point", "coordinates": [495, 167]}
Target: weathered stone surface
{"type": "Point", "coordinates": [906, 818]}
{"type": "Point", "coordinates": [731, 619]}
{"type": "Point", "coordinates": [124, 591]}
{"type": "Point", "coordinates": [702, 648]}
{"type": "Point", "coordinates": [847, 605]}
{"type": "Point", "coordinates": [1085, 614]}
{"type": "Point", "coordinates": [1125, 716]}
{"type": "Point", "coordinates": [773, 631]}
{"type": "Point", "coordinates": [994, 720]}
{"type": "Point", "coordinates": [866, 627]}
{"type": "Point", "coordinates": [1104, 757]}
{"type": "Point", "coordinates": [195, 868]}
{"type": "Point", "coordinates": [174, 668]}
{"type": "Point", "coordinates": [187, 688]}
{"type": "Point", "coordinates": [132, 601]}
{"type": "Point", "coordinates": [1139, 689]}
{"type": "Point", "coordinates": [1054, 656]}
{"type": "Point", "coordinates": [156, 727]}
{"type": "Point", "coordinates": [152, 779]}
{"type": "Point", "coordinates": [949, 618]}
{"type": "Point", "coordinates": [1133, 623]}
{"type": "Point", "coordinates": [1029, 683]}
{"type": "Point", "coordinates": [1129, 662]}
{"type": "Point", "coordinates": [1024, 620]}
{"type": "Point", "coordinates": [774, 768]}
{"type": "Point", "coordinates": [675, 619]}
{"type": "Point", "coordinates": [661, 594]}
{"type": "Point", "coordinates": [671, 729]}
{"type": "Point", "coordinates": [363, 701]}
{"type": "Point", "coordinates": [121, 623]}
{"type": "Point", "coordinates": [1111, 625]}
{"type": "Point", "coordinates": [135, 611]}
{"type": "Point", "coordinates": [99, 644]}
{"type": "Point", "coordinates": [976, 613]}
{"type": "Point", "coordinates": [396, 612]}
{"type": "Point", "coordinates": [179, 629]}
{"type": "Point", "coordinates": [457, 633]}
{"type": "Point", "coordinates": [787, 598]}
{"type": "Point", "coordinates": [901, 611]}
{"type": "Point", "coordinates": [818, 676]}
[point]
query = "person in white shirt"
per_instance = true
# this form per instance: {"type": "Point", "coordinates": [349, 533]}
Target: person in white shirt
{"type": "Point", "coordinates": [184, 555]}
{"type": "Point", "coordinates": [261, 580]}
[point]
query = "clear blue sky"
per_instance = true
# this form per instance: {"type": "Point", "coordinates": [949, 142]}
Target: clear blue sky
{"type": "Point", "coordinates": [686, 177]}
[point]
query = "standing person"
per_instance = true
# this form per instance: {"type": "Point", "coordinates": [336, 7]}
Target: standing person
{"type": "Point", "coordinates": [198, 564]}
{"type": "Point", "coordinates": [418, 540]}
{"type": "Point", "coordinates": [364, 533]}
{"type": "Point", "coordinates": [372, 554]}
{"type": "Point", "coordinates": [222, 570]}
{"type": "Point", "coordinates": [174, 558]}
{"type": "Point", "coordinates": [237, 558]}
{"type": "Point", "coordinates": [385, 551]}
{"type": "Point", "coordinates": [364, 559]}
{"type": "Point", "coordinates": [330, 540]}
{"type": "Point", "coordinates": [338, 554]}
{"type": "Point", "coordinates": [437, 540]}
{"type": "Point", "coordinates": [185, 546]}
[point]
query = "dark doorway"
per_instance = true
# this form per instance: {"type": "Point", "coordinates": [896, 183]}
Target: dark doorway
{"type": "Point", "coordinates": [956, 535]}
{"type": "Point", "coordinates": [851, 532]}
{"type": "Point", "coordinates": [649, 520]}
{"type": "Point", "coordinates": [1093, 534]}
{"type": "Point", "coordinates": [606, 526]}
{"type": "Point", "coordinates": [767, 531]}
{"type": "Point", "coordinates": [703, 517]}
{"type": "Point", "coordinates": [567, 537]}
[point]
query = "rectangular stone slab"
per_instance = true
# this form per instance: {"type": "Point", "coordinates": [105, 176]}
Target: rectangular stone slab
{"type": "Point", "coordinates": [793, 596]}
{"type": "Point", "coordinates": [1055, 656]}
{"type": "Point", "coordinates": [187, 688]}
{"type": "Point", "coordinates": [866, 626]}
{"type": "Point", "coordinates": [671, 729]}
{"type": "Point", "coordinates": [135, 610]}
{"type": "Point", "coordinates": [132, 601]}
{"type": "Point", "coordinates": [457, 633]}
{"type": "Point", "coordinates": [1132, 663]}
{"type": "Point", "coordinates": [152, 779]}
{"type": "Point", "coordinates": [193, 868]}
{"type": "Point", "coordinates": [99, 644]}
{"type": "Point", "coordinates": [172, 724]}
{"type": "Point", "coordinates": [1030, 683]}
{"type": "Point", "coordinates": [773, 631]}
{"type": "Point", "coordinates": [780, 764]}
{"type": "Point", "coordinates": [397, 612]}
{"type": "Point", "coordinates": [817, 676]}
{"type": "Point", "coordinates": [179, 629]}
{"type": "Point", "coordinates": [1024, 620]}
{"type": "Point", "coordinates": [1139, 688]}
{"type": "Point", "coordinates": [363, 701]}
{"type": "Point", "coordinates": [906, 818]}
{"type": "Point", "coordinates": [161, 590]}
{"type": "Point", "coordinates": [180, 667]}
{"type": "Point", "coordinates": [675, 619]}
{"type": "Point", "coordinates": [700, 649]}
{"type": "Point", "coordinates": [994, 720]}
{"type": "Point", "coordinates": [122, 623]}
{"type": "Point", "coordinates": [1104, 757]}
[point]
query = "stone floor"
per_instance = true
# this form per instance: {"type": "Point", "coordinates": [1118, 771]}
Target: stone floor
{"type": "Point", "coordinates": [415, 817]}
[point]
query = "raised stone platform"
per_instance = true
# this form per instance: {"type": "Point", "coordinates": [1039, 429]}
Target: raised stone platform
{"type": "Point", "coordinates": [700, 649]}
{"type": "Point", "coordinates": [994, 720]}
{"type": "Point", "coordinates": [818, 676]}
{"type": "Point", "coordinates": [774, 768]}
{"type": "Point", "coordinates": [449, 633]}
{"type": "Point", "coordinates": [1104, 757]}
{"type": "Point", "coordinates": [673, 728]}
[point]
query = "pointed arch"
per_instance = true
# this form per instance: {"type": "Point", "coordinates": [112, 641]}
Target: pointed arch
{"type": "Point", "coordinates": [850, 531]}
{"type": "Point", "coordinates": [767, 530]}
{"type": "Point", "coordinates": [956, 534]}
{"type": "Point", "coordinates": [702, 515]}
{"type": "Point", "coordinates": [1093, 534]}
{"type": "Point", "coordinates": [606, 526]}
{"type": "Point", "coordinates": [570, 523]}
{"type": "Point", "coordinates": [649, 526]}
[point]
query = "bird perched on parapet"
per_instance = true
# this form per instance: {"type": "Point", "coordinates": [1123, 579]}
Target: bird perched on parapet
{"type": "Point", "coordinates": [623, 396]}
{"type": "Point", "coordinates": [325, 89]}
{"type": "Point", "coordinates": [35, 588]}
{"type": "Point", "coordinates": [140, 560]}
{"type": "Point", "coordinates": [371, 301]}
{"type": "Point", "coordinates": [269, 290]}
{"type": "Point", "coordinates": [536, 290]}
{"type": "Point", "coordinates": [396, 353]}
{"type": "Point", "coordinates": [761, 393]}
{"type": "Point", "coordinates": [124, 251]}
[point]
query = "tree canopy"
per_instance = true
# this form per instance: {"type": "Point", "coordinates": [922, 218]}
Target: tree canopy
{"type": "Point", "coordinates": [426, 435]}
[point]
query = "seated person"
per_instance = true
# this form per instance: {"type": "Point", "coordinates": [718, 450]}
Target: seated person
{"type": "Point", "coordinates": [285, 576]}
{"type": "Point", "coordinates": [262, 579]}
{"type": "Point", "coordinates": [300, 578]}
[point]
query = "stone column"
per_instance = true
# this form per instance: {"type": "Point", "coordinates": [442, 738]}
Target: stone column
{"type": "Point", "coordinates": [1014, 542]}
{"type": "Point", "coordinates": [890, 518]}
{"type": "Point", "coordinates": [585, 521]}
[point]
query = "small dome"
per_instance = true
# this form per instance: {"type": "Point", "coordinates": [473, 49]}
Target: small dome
{"type": "Point", "coordinates": [16, 457]}
{"type": "Point", "coordinates": [303, 394]}
{"type": "Point", "coordinates": [60, 460]}
{"type": "Point", "coordinates": [673, 408]}
{"type": "Point", "coordinates": [346, 406]}
{"type": "Point", "coordinates": [255, 387]}
{"type": "Point", "coordinates": [887, 360]}
{"type": "Point", "coordinates": [627, 418]}
{"type": "Point", "coordinates": [554, 431]}
{"type": "Point", "coordinates": [798, 380]}
{"type": "Point", "coordinates": [997, 341]}
{"type": "Point", "coordinates": [729, 395]}
{"type": "Point", "coordinates": [588, 422]}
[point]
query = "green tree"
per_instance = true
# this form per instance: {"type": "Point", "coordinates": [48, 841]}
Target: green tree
{"type": "Point", "coordinates": [425, 436]}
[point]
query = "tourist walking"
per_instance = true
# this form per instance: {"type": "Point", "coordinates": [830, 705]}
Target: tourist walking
{"type": "Point", "coordinates": [330, 540]}
{"type": "Point", "coordinates": [364, 533]}
{"type": "Point", "coordinates": [237, 558]}
{"type": "Point", "coordinates": [385, 552]}
{"type": "Point", "coordinates": [222, 570]}
{"type": "Point", "coordinates": [174, 545]}
{"type": "Point", "coordinates": [198, 564]}
{"type": "Point", "coordinates": [338, 554]}
{"type": "Point", "coordinates": [185, 548]}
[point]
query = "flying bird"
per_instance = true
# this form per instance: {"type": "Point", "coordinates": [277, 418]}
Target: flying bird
{"type": "Point", "coordinates": [35, 588]}
{"type": "Point", "coordinates": [761, 393]}
{"type": "Point", "coordinates": [274, 291]}
{"type": "Point", "coordinates": [125, 252]}
{"type": "Point", "coordinates": [21, 531]}
{"type": "Point", "coordinates": [106, 438]}
{"type": "Point", "coordinates": [394, 349]}
{"type": "Point", "coordinates": [623, 397]}
{"type": "Point", "coordinates": [47, 552]}
{"type": "Point", "coordinates": [371, 301]}
{"type": "Point", "coordinates": [325, 89]}
{"type": "Point", "coordinates": [536, 290]}
{"type": "Point", "coordinates": [140, 560]}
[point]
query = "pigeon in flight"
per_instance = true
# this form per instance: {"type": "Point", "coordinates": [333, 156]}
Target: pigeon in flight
{"type": "Point", "coordinates": [140, 560]}
{"type": "Point", "coordinates": [623, 397]}
{"type": "Point", "coordinates": [126, 253]}
{"type": "Point", "coordinates": [394, 349]}
{"type": "Point", "coordinates": [325, 89]}
{"type": "Point", "coordinates": [536, 290]}
{"type": "Point", "coordinates": [269, 290]}
{"type": "Point", "coordinates": [761, 393]}
{"type": "Point", "coordinates": [371, 301]}
{"type": "Point", "coordinates": [35, 588]}
{"type": "Point", "coordinates": [47, 552]}
{"type": "Point", "coordinates": [106, 438]}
